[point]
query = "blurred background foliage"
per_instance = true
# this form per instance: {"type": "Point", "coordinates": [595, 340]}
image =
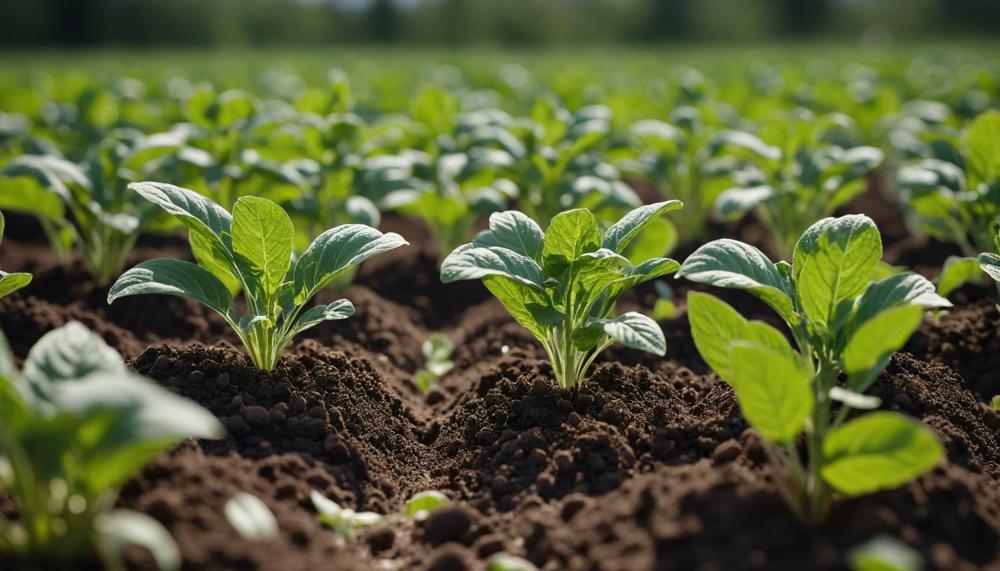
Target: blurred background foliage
{"type": "Point", "coordinates": [509, 23]}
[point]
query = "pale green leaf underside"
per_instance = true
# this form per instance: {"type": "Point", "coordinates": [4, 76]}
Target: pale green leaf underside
{"type": "Point", "coordinates": [636, 331]}
{"type": "Point", "coordinates": [990, 263]}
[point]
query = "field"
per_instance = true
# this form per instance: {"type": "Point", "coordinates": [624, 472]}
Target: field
{"type": "Point", "coordinates": [721, 431]}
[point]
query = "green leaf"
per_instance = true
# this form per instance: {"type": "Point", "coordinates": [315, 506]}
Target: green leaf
{"type": "Point", "coordinates": [906, 288]}
{"type": "Point", "coordinates": [251, 517]}
{"type": "Point", "coordinates": [569, 235]}
{"type": "Point", "coordinates": [70, 353]}
{"type": "Point", "coordinates": [636, 331]}
{"type": "Point", "coordinates": [773, 389]}
{"type": "Point", "coordinates": [340, 309]}
{"type": "Point", "coordinates": [872, 344]}
{"type": "Point", "coordinates": [10, 283]}
{"type": "Point", "coordinates": [956, 272]}
{"type": "Point", "coordinates": [733, 203]}
{"type": "Point", "coordinates": [715, 325]}
{"type": "Point", "coordinates": [209, 221]}
{"type": "Point", "coordinates": [471, 262]}
{"type": "Point", "coordinates": [177, 278]}
{"type": "Point", "coordinates": [119, 529]}
{"type": "Point", "coordinates": [833, 262]}
{"type": "Point", "coordinates": [990, 263]}
{"type": "Point", "coordinates": [28, 195]}
{"type": "Point", "coordinates": [522, 302]}
{"type": "Point", "coordinates": [621, 233]}
{"type": "Point", "coordinates": [877, 451]}
{"type": "Point", "coordinates": [335, 251]}
{"type": "Point", "coordinates": [884, 553]}
{"type": "Point", "coordinates": [983, 144]}
{"type": "Point", "coordinates": [262, 233]}
{"type": "Point", "coordinates": [516, 231]}
{"type": "Point", "coordinates": [421, 504]}
{"type": "Point", "coordinates": [733, 264]}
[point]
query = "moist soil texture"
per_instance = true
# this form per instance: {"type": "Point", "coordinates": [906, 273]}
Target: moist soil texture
{"type": "Point", "coordinates": [649, 465]}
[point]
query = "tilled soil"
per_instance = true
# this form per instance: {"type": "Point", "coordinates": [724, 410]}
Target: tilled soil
{"type": "Point", "coordinates": [649, 465]}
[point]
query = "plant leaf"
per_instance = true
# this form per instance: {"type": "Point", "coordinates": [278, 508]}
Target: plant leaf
{"type": "Point", "coordinates": [522, 302]}
{"type": "Point", "coordinates": [906, 288]}
{"type": "Point", "coordinates": [119, 529]}
{"type": "Point", "coordinates": [621, 233]}
{"type": "Point", "coordinates": [877, 451]}
{"type": "Point", "coordinates": [733, 264]}
{"type": "Point", "coordinates": [262, 233]}
{"type": "Point", "coordinates": [69, 353]}
{"type": "Point", "coordinates": [636, 331]}
{"type": "Point", "coordinates": [340, 309]}
{"type": "Point", "coordinates": [251, 517]}
{"type": "Point", "coordinates": [177, 278]}
{"type": "Point", "coordinates": [990, 263]}
{"type": "Point", "coordinates": [569, 235]}
{"type": "Point", "coordinates": [516, 231]}
{"type": "Point", "coordinates": [956, 272]}
{"type": "Point", "coordinates": [471, 262]}
{"type": "Point", "coordinates": [421, 504]}
{"type": "Point", "coordinates": [10, 283]}
{"type": "Point", "coordinates": [334, 252]}
{"type": "Point", "coordinates": [773, 389]}
{"type": "Point", "coordinates": [198, 214]}
{"type": "Point", "coordinates": [983, 144]}
{"type": "Point", "coordinates": [833, 261]}
{"type": "Point", "coordinates": [872, 344]}
{"type": "Point", "coordinates": [733, 203]}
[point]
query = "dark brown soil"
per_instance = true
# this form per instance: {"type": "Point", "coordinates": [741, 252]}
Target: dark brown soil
{"type": "Point", "coordinates": [647, 466]}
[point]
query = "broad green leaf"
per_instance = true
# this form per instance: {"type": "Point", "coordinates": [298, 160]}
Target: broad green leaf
{"type": "Point", "coordinates": [471, 262]}
{"type": "Point", "coordinates": [877, 451]}
{"type": "Point", "coordinates": [334, 252]}
{"type": "Point", "coordinates": [906, 288]}
{"type": "Point", "coordinates": [198, 214]}
{"type": "Point", "coordinates": [515, 231]}
{"type": "Point", "coordinates": [251, 517]}
{"type": "Point", "coordinates": [990, 263]}
{"type": "Point", "coordinates": [636, 331]}
{"type": "Point", "coordinates": [70, 353]}
{"type": "Point", "coordinates": [773, 389]}
{"type": "Point", "coordinates": [715, 325]}
{"type": "Point", "coordinates": [119, 529]}
{"type": "Point", "coordinates": [872, 344]}
{"type": "Point", "coordinates": [569, 235]}
{"type": "Point", "coordinates": [216, 262]}
{"type": "Point", "coordinates": [658, 238]}
{"type": "Point", "coordinates": [956, 272]}
{"type": "Point", "coordinates": [983, 144]}
{"type": "Point", "coordinates": [621, 233]}
{"type": "Point", "coordinates": [733, 203]}
{"type": "Point", "coordinates": [10, 283]}
{"type": "Point", "coordinates": [733, 264]}
{"type": "Point", "coordinates": [53, 172]}
{"type": "Point", "coordinates": [177, 278]}
{"type": "Point", "coordinates": [833, 262]}
{"type": "Point", "coordinates": [340, 309]}
{"type": "Point", "coordinates": [521, 301]}
{"type": "Point", "coordinates": [262, 233]}
{"type": "Point", "coordinates": [27, 194]}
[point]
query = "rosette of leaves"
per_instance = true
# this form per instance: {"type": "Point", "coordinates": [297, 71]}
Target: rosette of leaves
{"type": "Point", "coordinates": [800, 172]}
{"type": "Point", "coordinates": [251, 250]}
{"type": "Point", "coordinates": [11, 282]}
{"type": "Point", "coordinates": [86, 205]}
{"type": "Point", "coordinates": [844, 327]}
{"type": "Point", "coordinates": [562, 284]}
{"type": "Point", "coordinates": [74, 426]}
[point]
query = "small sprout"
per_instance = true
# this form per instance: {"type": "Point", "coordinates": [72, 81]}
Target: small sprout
{"type": "Point", "coordinates": [562, 284]}
{"type": "Point", "coordinates": [437, 350]}
{"type": "Point", "coordinates": [422, 504]}
{"type": "Point", "coordinates": [884, 553]}
{"type": "Point", "coordinates": [995, 403]}
{"type": "Point", "coordinates": [665, 308]}
{"type": "Point", "coordinates": [343, 521]}
{"type": "Point", "coordinates": [251, 250]}
{"type": "Point", "coordinates": [505, 562]}
{"type": "Point", "coordinates": [251, 517]}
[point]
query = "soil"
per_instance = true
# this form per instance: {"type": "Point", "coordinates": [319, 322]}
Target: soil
{"type": "Point", "coordinates": [649, 465]}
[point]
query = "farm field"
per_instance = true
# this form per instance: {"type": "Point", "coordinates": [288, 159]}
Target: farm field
{"type": "Point", "coordinates": [513, 311]}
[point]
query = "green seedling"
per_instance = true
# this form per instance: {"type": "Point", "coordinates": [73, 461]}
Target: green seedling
{"type": "Point", "coordinates": [562, 285]}
{"type": "Point", "coordinates": [74, 426]}
{"type": "Point", "coordinates": [251, 517]}
{"type": "Point", "coordinates": [421, 504]}
{"type": "Point", "coordinates": [845, 327]}
{"type": "Point", "coordinates": [437, 350]}
{"type": "Point", "coordinates": [10, 283]}
{"type": "Point", "coordinates": [343, 521]}
{"type": "Point", "coordinates": [252, 248]}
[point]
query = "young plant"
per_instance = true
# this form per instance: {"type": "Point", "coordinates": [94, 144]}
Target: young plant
{"type": "Point", "coordinates": [87, 204]}
{"type": "Point", "coordinates": [800, 176]}
{"type": "Point", "coordinates": [437, 350]}
{"type": "Point", "coordinates": [845, 328]}
{"type": "Point", "coordinates": [345, 522]}
{"type": "Point", "coordinates": [959, 202]}
{"type": "Point", "coordinates": [252, 248]}
{"type": "Point", "coordinates": [561, 285]}
{"type": "Point", "coordinates": [10, 283]}
{"type": "Point", "coordinates": [74, 425]}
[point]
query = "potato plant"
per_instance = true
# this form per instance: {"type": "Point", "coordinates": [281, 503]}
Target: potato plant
{"type": "Point", "coordinates": [252, 248]}
{"type": "Point", "coordinates": [845, 327]}
{"type": "Point", "coordinates": [562, 284]}
{"type": "Point", "coordinates": [74, 426]}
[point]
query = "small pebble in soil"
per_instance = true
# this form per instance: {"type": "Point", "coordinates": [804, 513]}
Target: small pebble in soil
{"type": "Point", "coordinates": [450, 558]}
{"type": "Point", "coordinates": [447, 524]}
{"type": "Point", "coordinates": [572, 505]}
{"type": "Point", "coordinates": [222, 381]}
{"type": "Point", "coordinates": [381, 539]}
{"type": "Point", "coordinates": [256, 416]}
{"type": "Point", "coordinates": [196, 376]}
{"type": "Point", "coordinates": [726, 452]}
